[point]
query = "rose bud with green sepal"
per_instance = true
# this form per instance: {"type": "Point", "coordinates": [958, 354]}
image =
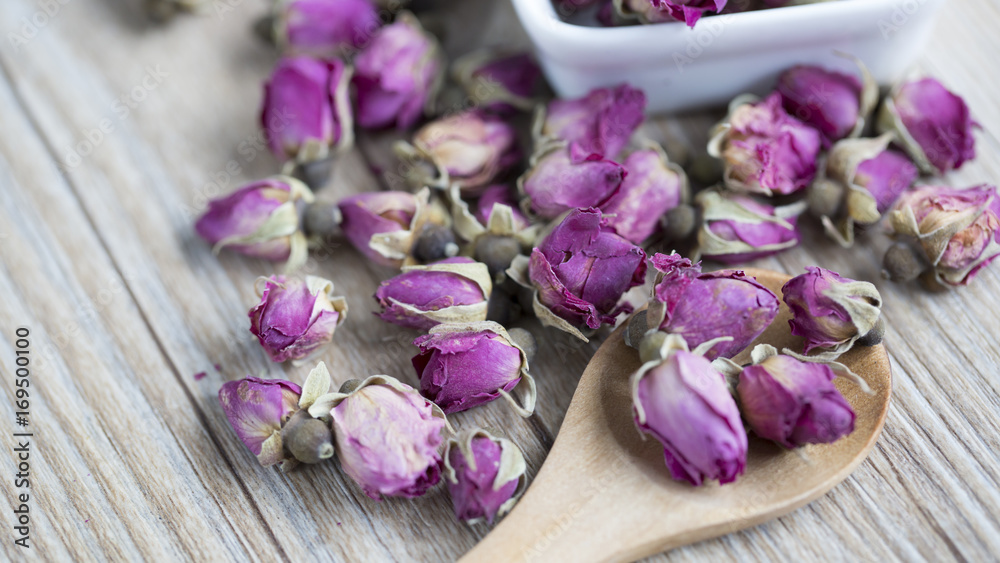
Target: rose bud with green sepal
{"type": "Point", "coordinates": [738, 228]}
{"type": "Point", "coordinates": [561, 177]}
{"type": "Point", "coordinates": [497, 233]}
{"type": "Point", "coordinates": [602, 122]}
{"type": "Point", "coordinates": [500, 194]}
{"type": "Point", "coordinates": [836, 104]}
{"type": "Point", "coordinates": [455, 290]}
{"type": "Point", "coordinates": [485, 475]}
{"type": "Point", "coordinates": [652, 187]}
{"type": "Point", "coordinates": [322, 28]}
{"type": "Point", "coordinates": [257, 409]}
{"type": "Point", "coordinates": [829, 311]}
{"type": "Point", "coordinates": [499, 81]}
{"type": "Point", "coordinates": [296, 317]}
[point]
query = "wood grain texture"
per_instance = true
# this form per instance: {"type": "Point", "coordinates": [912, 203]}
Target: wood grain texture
{"type": "Point", "coordinates": [133, 458]}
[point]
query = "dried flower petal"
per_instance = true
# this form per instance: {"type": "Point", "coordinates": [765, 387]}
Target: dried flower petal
{"type": "Point", "coordinates": [485, 475]}
{"type": "Point", "coordinates": [602, 122]}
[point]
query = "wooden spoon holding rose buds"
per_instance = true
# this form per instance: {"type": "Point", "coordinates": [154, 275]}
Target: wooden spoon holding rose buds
{"type": "Point", "coordinates": [604, 493]}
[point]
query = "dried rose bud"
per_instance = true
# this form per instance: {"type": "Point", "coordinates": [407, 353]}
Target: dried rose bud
{"type": "Point", "coordinates": [323, 28]}
{"type": "Point", "coordinates": [455, 290]}
{"type": "Point", "coordinates": [683, 402]}
{"type": "Point", "coordinates": [260, 219]}
{"type": "Point", "coordinates": [830, 312]}
{"type": "Point", "coordinates": [602, 122]}
{"type": "Point", "coordinates": [835, 104]}
{"type": "Point", "coordinates": [580, 272]}
{"type": "Point", "coordinates": [653, 186]}
{"type": "Point", "coordinates": [485, 475]}
{"type": "Point", "coordinates": [503, 195]}
{"type": "Point", "coordinates": [656, 11]}
{"type": "Point", "coordinates": [793, 403]}
{"type": "Point", "coordinates": [388, 437]}
{"type": "Point", "coordinates": [763, 149]}
{"type": "Point", "coordinates": [499, 81]}
{"type": "Point", "coordinates": [397, 75]}
{"type": "Point", "coordinates": [958, 229]}
{"type": "Point", "coordinates": [257, 409]}
{"type": "Point", "coordinates": [702, 307]}
{"type": "Point", "coordinates": [295, 317]}
{"type": "Point", "coordinates": [466, 365]}
{"type": "Point", "coordinates": [562, 177]}
{"type": "Point", "coordinates": [390, 227]}
{"type": "Point", "coordinates": [737, 228]}
{"type": "Point", "coordinates": [932, 124]}
{"type": "Point", "coordinates": [498, 233]}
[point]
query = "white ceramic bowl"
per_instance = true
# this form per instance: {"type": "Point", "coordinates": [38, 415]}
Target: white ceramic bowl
{"type": "Point", "coordinates": [681, 68]}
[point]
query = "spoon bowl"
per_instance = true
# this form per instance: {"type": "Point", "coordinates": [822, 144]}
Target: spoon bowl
{"type": "Point", "coordinates": [604, 493]}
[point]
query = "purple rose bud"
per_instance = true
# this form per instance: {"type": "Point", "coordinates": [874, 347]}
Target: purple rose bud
{"type": "Point", "coordinates": [764, 150]}
{"type": "Point", "coordinates": [455, 290]}
{"type": "Point", "coordinates": [562, 178]}
{"type": "Point", "coordinates": [602, 122]}
{"type": "Point", "coordinates": [502, 194]}
{"type": "Point", "coordinates": [933, 125]}
{"type": "Point", "coordinates": [368, 218]}
{"type": "Point", "coordinates": [793, 403]}
{"type": "Point", "coordinates": [388, 437]}
{"type": "Point", "coordinates": [704, 306]}
{"type": "Point", "coordinates": [260, 219]}
{"type": "Point", "coordinates": [830, 312]}
{"type": "Point", "coordinates": [498, 81]}
{"type": "Point", "coordinates": [737, 228]}
{"type": "Point", "coordinates": [324, 28]}
{"type": "Point", "coordinates": [307, 109]}
{"type": "Point", "coordinates": [652, 187]}
{"type": "Point", "coordinates": [655, 11]}
{"type": "Point", "coordinates": [257, 409]}
{"type": "Point", "coordinates": [485, 475]}
{"type": "Point", "coordinates": [835, 104]}
{"type": "Point", "coordinates": [295, 317]}
{"type": "Point", "coordinates": [958, 229]}
{"type": "Point", "coordinates": [683, 402]}
{"type": "Point", "coordinates": [397, 75]}
{"type": "Point", "coordinates": [886, 177]}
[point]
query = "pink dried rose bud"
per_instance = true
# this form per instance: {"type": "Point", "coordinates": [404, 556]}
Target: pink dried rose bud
{"type": "Point", "coordinates": [602, 122]}
{"type": "Point", "coordinates": [485, 475]}
{"type": "Point", "coordinates": [763, 149]}
{"type": "Point", "coordinates": [397, 228]}
{"type": "Point", "coordinates": [324, 28]}
{"type": "Point", "coordinates": [737, 228]}
{"type": "Point", "coordinates": [656, 11]}
{"type": "Point", "coordinates": [958, 229]}
{"type": "Point", "coordinates": [652, 187]}
{"type": "Point", "coordinates": [500, 194]}
{"type": "Point", "coordinates": [562, 177]}
{"type": "Point", "coordinates": [835, 104]}
{"type": "Point", "coordinates": [366, 215]}
{"type": "Point", "coordinates": [682, 401]}
{"type": "Point", "coordinates": [260, 219]}
{"type": "Point", "coordinates": [829, 311]}
{"type": "Point", "coordinates": [702, 307]}
{"type": "Point", "coordinates": [455, 290]}
{"type": "Point", "coordinates": [469, 364]}
{"type": "Point", "coordinates": [388, 437]}
{"type": "Point", "coordinates": [307, 109]}
{"type": "Point", "coordinates": [397, 75]}
{"type": "Point", "coordinates": [792, 402]}
{"type": "Point", "coordinates": [296, 317]}
{"type": "Point", "coordinates": [886, 176]}
{"type": "Point", "coordinates": [257, 409]}
{"type": "Point", "coordinates": [932, 124]}
{"type": "Point", "coordinates": [499, 81]}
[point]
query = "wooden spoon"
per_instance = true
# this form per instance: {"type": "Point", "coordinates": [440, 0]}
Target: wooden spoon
{"type": "Point", "coordinates": [604, 493]}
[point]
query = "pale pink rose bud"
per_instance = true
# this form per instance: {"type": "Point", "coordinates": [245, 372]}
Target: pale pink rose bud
{"type": "Point", "coordinates": [260, 219]}
{"type": "Point", "coordinates": [829, 311]}
{"type": "Point", "coordinates": [704, 306]}
{"type": "Point", "coordinates": [656, 11]}
{"type": "Point", "coordinates": [296, 318]}
{"type": "Point", "coordinates": [324, 28]}
{"type": "Point", "coordinates": [683, 402]}
{"type": "Point", "coordinates": [833, 103]}
{"type": "Point", "coordinates": [498, 81]}
{"type": "Point", "coordinates": [737, 228]}
{"type": "Point", "coordinates": [567, 177]}
{"type": "Point", "coordinates": [466, 365]}
{"type": "Point", "coordinates": [763, 149]}
{"type": "Point", "coordinates": [257, 409]}
{"type": "Point", "coordinates": [397, 75]}
{"type": "Point", "coordinates": [932, 123]}
{"type": "Point", "coordinates": [307, 109]}
{"type": "Point", "coordinates": [652, 187]}
{"type": "Point", "coordinates": [602, 122]}
{"type": "Point", "coordinates": [455, 290]}
{"type": "Point", "coordinates": [485, 475]}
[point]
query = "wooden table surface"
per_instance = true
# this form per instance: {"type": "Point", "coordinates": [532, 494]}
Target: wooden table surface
{"type": "Point", "coordinates": [114, 132]}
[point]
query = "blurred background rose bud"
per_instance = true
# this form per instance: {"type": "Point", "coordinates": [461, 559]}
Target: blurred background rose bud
{"type": "Point", "coordinates": [323, 28]}
{"type": "Point", "coordinates": [563, 177]}
{"type": "Point", "coordinates": [602, 122]}
{"type": "Point", "coordinates": [499, 81]}
{"type": "Point", "coordinates": [737, 228]}
{"type": "Point", "coordinates": [485, 474]}
{"type": "Point", "coordinates": [499, 194]}
{"type": "Point", "coordinates": [835, 104]}
{"type": "Point", "coordinates": [652, 187]}
{"type": "Point", "coordinates": [656, 11]}
{"type": "Point", "coordinates": [829, 311]}
{"type": "Point", "coordinates": [296, 317]}
{"type": "Point", "coordinates": [257, 409]}
{"type": "Point", "coordinates": [455, 290]}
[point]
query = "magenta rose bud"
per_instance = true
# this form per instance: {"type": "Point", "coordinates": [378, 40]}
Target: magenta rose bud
{"type": "Point", "coordinates": [656, 11]}
{"type": "Point", "coordinates": [567, 177]}
{"type": "Point", "coordinates": [324, 28]}
{"type": "Point", "coordinates": [485, 475]}
{"type": "Point", "coordinates": [257, 409]}
{"type": "Point", "coordinates": [503, 195]}
{"type": "Point", "coordinates": [737, 228]}
{"type": "Point", "coordinates": [366, 215]}
{"type": "Point", "coordinates": [829, 311]}
{"type": "Point", "coordinates": [933, 125]}
{"type": "Point", "coordinates": [397, 75]}
{"type": "Point", "coordinates": [652, 187]}
{"type": "Point", "coordinates": [499, 81]}
{"type": "Point", "coordinates": [307, 109]}
{"type": "Point", "coordinates": [388, 437]}
{"type": "Point", "coordinates": [295, 318]}
{"type": "Point", "coordinates": [704, 306]}
{"type": "Point", "coordinates": [831, 102]}
{"type": "Point", "coordinates": [602, 122]}
{"type": "Point", "coordinates": [455, 290]}
{"type": "Point", "coordinates": [260, 219]}
{"type": "Point", "coordinates": [683, 402]}
{"type": "Point", "coordinates": [763, 149]}
{"type": "Point", "coordinates": [886, 177]}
